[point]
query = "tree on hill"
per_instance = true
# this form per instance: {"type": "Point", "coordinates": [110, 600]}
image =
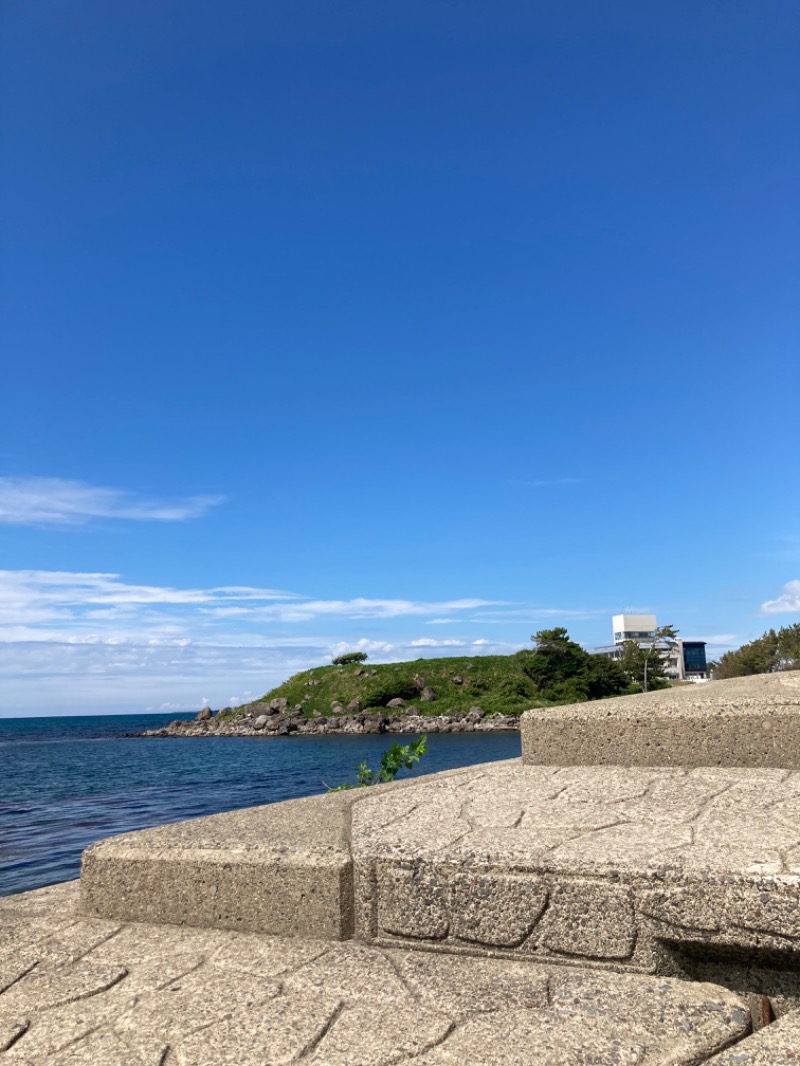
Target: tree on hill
{"type": "Point", "coordinates": [350, 657]}
{"type": "Point", "coordinates": [770, 652]}
{"type": "Point", "coordinates": [565, 673]}
{"type": "Point", "coordinates": [646, 664]}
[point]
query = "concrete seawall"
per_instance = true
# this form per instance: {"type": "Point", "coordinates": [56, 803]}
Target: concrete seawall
{"type": "Point", "coordinates": [529, 912]}
{"type": "Point", "coordinates": [748, 721]}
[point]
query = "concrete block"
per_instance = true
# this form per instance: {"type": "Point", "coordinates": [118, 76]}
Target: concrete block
{"type": "Point", "coordinates": [591, 919]}
{"type": "Point", "coordinates": [495, 908]}
{"type": "Point", "coordinates": [412, 901]}
{"type": "Point", "coordinates": [747, 721]}
{"type": "Point", "coordinates": [636, 868]}
{"type": "Point", "coordinates": [283, 868]}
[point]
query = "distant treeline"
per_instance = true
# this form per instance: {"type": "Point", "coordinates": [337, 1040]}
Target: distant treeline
{"type": "Point", "coordinates": [775, 650]}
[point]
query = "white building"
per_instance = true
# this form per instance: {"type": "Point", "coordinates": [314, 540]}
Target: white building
{"type": "Point", "coordinates": [685, 661]}
{"type": "Point", "coordinates": [640, 627]}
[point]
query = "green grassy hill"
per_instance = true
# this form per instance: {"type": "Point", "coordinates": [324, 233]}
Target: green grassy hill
{"type": "Point", "coordinates": [493, 682]}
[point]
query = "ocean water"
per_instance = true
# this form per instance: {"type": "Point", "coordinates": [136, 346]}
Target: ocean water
{"type": "Point", "coordinates": [68, 781]}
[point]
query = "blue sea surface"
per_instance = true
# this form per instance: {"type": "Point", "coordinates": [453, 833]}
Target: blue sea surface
{"type": "Point", "coordinates": [68, 781]}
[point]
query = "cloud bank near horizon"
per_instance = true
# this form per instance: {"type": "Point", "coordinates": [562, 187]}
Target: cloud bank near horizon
{"type": "Point", "coordinates": [92, 641]}
{"type": "Point", "coordinates": [73, 642]}
{"type": "Point", "coordinates": [80, 607]}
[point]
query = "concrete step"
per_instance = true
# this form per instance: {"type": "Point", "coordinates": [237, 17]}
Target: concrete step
{"type": "Point", "coordinates": [777, 1045]}
{"type": "Point", "coordinates": [533, 869]}
{"type": "Point", "coordinates": [687, 872]}
{"type": "Point", "coordinates": [693, 873]}
{"type": "Point", "coordinates": [747, 721]}
{"type": "Point", "coordinates": [283, 869]}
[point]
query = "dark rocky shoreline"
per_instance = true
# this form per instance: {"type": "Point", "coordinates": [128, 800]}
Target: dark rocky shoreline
{"type": "Point", "coordinates": [276, 719]}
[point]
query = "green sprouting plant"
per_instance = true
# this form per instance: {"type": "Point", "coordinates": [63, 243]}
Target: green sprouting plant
{"type": "Point", "coordinates": [393, 760]}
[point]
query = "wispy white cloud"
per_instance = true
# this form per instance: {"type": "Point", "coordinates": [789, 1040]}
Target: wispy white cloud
{"type": "Point", "coordinates": [787, 603]}
{"type": "Point", "coordinates": [532, 613]}
{"type": "Point", "coordinates": [305, 610]}
{"type": "Point", "coordinates": [66, 605]}
{"type": "Point", "coordinates": [721, 640]}
{"type": "Point", "coordinates": [71, 607]}
{"type": "Point", "coordinates": [377, 649]}
{"type": "Point", "coordinates": [32, 597]}
{"type": "Point", "coordinates": [545, 483]}
{"type": "Point", "coordinates": [73, 641]}
{"type": "Point", "coordinates": [428, 642]}
{"type": "Point", "coordinates": [49, 501]}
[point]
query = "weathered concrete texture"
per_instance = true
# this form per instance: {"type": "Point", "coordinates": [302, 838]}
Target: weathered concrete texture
{"type": "Point", "coordinates": [777, 1045]}
{"type": "Point", "coordinates": [747, 721]}
{"type": "Point", "coordinates": [147, 995]}
{"type": "Point", "coordinates": [279, 868]}
{"type": "Point", "coordinates": [283, 869]}
{"type": "Point", "coordinates": [651, 870]}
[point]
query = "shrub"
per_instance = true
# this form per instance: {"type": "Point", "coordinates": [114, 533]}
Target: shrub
{"type": "Point", "coordinates": [350, 657]}
{"type": "Point", "coordinates": [381, 691]}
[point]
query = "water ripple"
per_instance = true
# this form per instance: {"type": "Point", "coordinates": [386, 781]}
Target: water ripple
{"type": "Point", "coordinates": [65, 785]}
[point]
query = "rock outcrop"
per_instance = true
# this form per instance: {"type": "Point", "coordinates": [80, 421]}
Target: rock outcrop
{"type": "Point", "coordinates": [267, 720]}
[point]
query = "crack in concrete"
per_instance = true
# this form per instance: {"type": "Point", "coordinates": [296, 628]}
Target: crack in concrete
{"type": "Point", "coordinates": [412, 992]}
{"type": "Point", "coordinates": [24, 1025]}
{"type": "Point", "coordinates": [400, 817]}
{"type": "Point", "coordinates": [317, 1040]}
{"type": "Point", "coordinates": [5, 988]}
{"type": "Point", "coordinates": [430, 1045]}
{"type": "Point", "coordinates": [295, 969]}
{"type": "Point", "coordinates": [462, 817]}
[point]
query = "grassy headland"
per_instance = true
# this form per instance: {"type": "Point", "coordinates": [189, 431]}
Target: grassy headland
{"type": "Point", "coordinates": [556, 670]}
{"type": "Point", "coordinates": [493, 682]}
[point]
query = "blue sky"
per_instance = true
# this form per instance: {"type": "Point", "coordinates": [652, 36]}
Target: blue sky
{"type": "Point", "coordinates": [411, 326]}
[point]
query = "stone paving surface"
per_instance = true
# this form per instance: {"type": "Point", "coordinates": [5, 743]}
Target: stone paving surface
{"type": "Point", "coordinates": [603, 863]}
{"type": "Point", "coordinates": [77, 991]}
